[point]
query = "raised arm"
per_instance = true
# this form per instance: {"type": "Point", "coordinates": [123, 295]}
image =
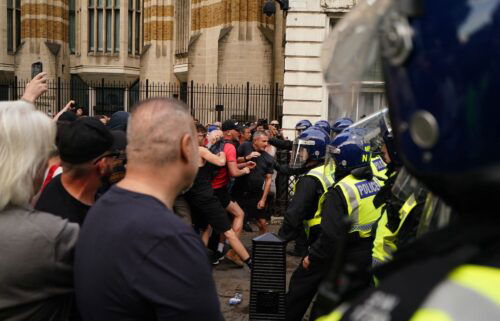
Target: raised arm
{"type": "Point", "coordinates": [35, 88]}
{"type": "Point", "coordinates": [219, 160]}
{"type": "Point", "coordinates": [246, 158]}
{"type": "Point", "coordinates": [65, 109]}
{"type": "Point", "coordinates": [234, 171]}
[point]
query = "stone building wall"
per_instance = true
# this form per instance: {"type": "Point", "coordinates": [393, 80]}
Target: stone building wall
{"type": "Point", "coordinates": [307, 25]}
{"type": "Point", "coordinates": [227, 42]}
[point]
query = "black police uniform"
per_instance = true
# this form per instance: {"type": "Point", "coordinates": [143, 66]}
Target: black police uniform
{"type": "Point", "coordinates": [304, 282]}
{"type": "Point", "coordinates": [424, 267]}
{"type": "Point", "coordinates": [303, 205]}
{"type": "Point", "coordinates": [281, 143]}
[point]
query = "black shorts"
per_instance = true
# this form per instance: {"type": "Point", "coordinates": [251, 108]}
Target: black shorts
{"type": "Point", "coordinates": [248, 202]}
{"type": "Point", "coordinates": [223, 195]}
{"type": "Point", "coordinates": [206, 209]}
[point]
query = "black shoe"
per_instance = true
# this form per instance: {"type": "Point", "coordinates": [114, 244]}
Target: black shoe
{"type": "Point", "coordinates": [247, 227]}
{"type": "Point", "coordinates": [216, 257]}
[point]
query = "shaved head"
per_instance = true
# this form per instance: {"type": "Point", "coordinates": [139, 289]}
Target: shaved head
{"type": "Point", "coordinates": [155, 130]}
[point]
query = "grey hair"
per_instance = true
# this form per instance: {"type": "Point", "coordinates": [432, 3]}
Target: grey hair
{"type": "Point", "coordinates": [155, 129]}
{"type": "Point", "coordinates": [27, 139]}
{"type": "Point", "coordinates": [258, 134]}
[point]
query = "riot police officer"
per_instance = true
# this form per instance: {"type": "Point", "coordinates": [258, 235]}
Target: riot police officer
{"type": "Point", "coordinates": [301, 214]}
{"type": "Point", "coordinates": [325, 125]}
{"type": "Point", "coordinates": [442, 74]}
{"type": "Point", "coordinates": [384, 244]}
{"type": "Point", "coordinates": [350, 197]}
{"type": "Point", "coordinates": [340, 124]}
{"type": "Point", "coordinates": [401, 213]}
{"type": "Point", "coordinates": [286, 144]}
{"type": "Point", "coordinates": [301, 126]}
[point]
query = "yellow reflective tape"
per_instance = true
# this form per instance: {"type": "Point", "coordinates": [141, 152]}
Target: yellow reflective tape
{"type": "Point", "coordinates": [407, 207]}
{"type": "Point", "coordinates": [336, 315]}
{"type": "Point", "coordinates": [313, 222]}
{"type": "Point", "coordinates": [482, 279]}
{"type": "Point", "coordinates": [430, 315]}
{"type": "Point", "coordinates": [318, 172]}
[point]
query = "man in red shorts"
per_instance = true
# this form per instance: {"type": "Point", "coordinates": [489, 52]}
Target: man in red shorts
{"type": "Point", "coordinates": [220, 183]}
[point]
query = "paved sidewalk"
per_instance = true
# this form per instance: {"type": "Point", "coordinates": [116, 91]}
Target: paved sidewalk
{"type": "Point", "coordinates": [231, 279]}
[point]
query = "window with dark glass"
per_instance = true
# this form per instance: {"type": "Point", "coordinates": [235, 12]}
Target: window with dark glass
{"type": "Point", "coordinates": [104, 26]}
{"type": "Point", "coordinates": [116, 30]}
{"type": "Point", "coordinates": [72, 26]}
{"type": "Point", "coordinates": [134, 26]}
{"type": "Point", "coordinates": [13, 25]}
{"type": "Point", "coordinates": [181, 27]}
{"type": "Point", "coordinates": [365, 98]}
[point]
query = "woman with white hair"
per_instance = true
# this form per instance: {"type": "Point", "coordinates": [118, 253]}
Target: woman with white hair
{"type": "Point", "coordinates": [36, 273]}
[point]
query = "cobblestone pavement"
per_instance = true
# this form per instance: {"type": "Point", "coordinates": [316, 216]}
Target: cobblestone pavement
{"type": "Point", "coordinates": [231, 279]}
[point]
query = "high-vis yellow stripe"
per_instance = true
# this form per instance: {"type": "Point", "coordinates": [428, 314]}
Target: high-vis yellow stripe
{"type": "Point", "coordinates": [430, 315]}
{"type": "Point", "coordinates": [482, 279]}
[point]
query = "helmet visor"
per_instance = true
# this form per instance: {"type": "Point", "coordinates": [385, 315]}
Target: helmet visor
{"type": "Point", "coordinates": [329, 168]}
{"type": "Point", "coordinates": [351, 61]}
{"type": "Point", "coordinates": [298, 132]}
{"type": "Point", "coordinates": [407, 185]}
{"type": "Point", "coordinates": [436, 215]}
{"type": "Point", "coordinates": [372, 128]}
{"type": "Point", "coordinates": [300, 153]}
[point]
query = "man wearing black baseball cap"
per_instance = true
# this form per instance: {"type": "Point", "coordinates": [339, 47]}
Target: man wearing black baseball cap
{"type": "Point", "coordinates": [220, 184]}
{"type": "Point", "coordinates": [85, 148]}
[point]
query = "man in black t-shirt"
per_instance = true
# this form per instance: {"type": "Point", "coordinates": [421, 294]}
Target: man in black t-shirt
{"type": "Point", "coordinates": [85, 147]}
{"type": "Point", "coordinates": [135, 259]}
{"type": "Point", "coordinates": [251, 190]}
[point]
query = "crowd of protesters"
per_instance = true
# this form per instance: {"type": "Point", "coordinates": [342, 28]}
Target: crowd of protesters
{"type": "Point", "coordinates": [121, 218]}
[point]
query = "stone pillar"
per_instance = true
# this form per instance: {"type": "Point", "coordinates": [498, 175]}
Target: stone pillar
{"type": "Point", "coordinates": [246, 50]}
{"type": "Point", "coordinates": [158, 55]}
{"type": "Point", "coordinates": [231, 42]}
{"type": "Point", "coordinates": [44, 38]}
{"type": "Point", "coordinates": [305, 96]}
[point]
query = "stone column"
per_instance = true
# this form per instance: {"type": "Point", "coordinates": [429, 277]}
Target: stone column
{"type": "Point", "coordinates": [158, 55]}
{"type": "Point", "coordinates": [44, 38]}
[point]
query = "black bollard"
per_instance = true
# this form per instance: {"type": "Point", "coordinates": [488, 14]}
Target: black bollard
{"type": "Point", "coordinates": [268, 280]}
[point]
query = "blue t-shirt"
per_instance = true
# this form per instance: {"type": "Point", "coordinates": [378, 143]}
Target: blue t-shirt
{"type": "Point", "coordinates": [136, 260]}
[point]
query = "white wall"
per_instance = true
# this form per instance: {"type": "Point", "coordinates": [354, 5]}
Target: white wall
{"type": "Point", "coordinates": [305, 95]}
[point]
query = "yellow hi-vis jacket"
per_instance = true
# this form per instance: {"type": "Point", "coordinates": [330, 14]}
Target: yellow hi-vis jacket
{"type": "Point", "coordinates": [325, 175]}
{"type": "Point", "coordinates": [384, 245]}
{"type": "Point", "coordinates": [470, 292]}
{"type": "Point", "coordinates": [359, 194]}
{"type": "Point", "coordinates": [379, 167]}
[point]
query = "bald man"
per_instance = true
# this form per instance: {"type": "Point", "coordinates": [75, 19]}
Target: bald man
{"type": "Point", "coordinates": [136, 260]}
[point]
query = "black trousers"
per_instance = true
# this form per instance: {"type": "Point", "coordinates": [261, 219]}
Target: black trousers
{"type": "Point", "coordinates": [302, 289]}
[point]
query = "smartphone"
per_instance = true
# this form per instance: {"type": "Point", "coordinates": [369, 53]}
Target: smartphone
{"type": "Point", "coordinates": [36, 68]}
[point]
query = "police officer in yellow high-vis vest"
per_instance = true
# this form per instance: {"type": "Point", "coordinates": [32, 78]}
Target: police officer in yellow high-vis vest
{"type": "Point", "coordinates": [384, 243]}
{"type": "Point", "coordinates": [400, 218]}
{"type": "Point", "coordinates": [308, 152]}
{"type": "Point", "coordinates": [350, 198]}
{"type": "Point", "coordinates": [443, 93]}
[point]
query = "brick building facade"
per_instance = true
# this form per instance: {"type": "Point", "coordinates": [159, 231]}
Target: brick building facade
{"type": "Point", "coordinates": [175, 41]}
